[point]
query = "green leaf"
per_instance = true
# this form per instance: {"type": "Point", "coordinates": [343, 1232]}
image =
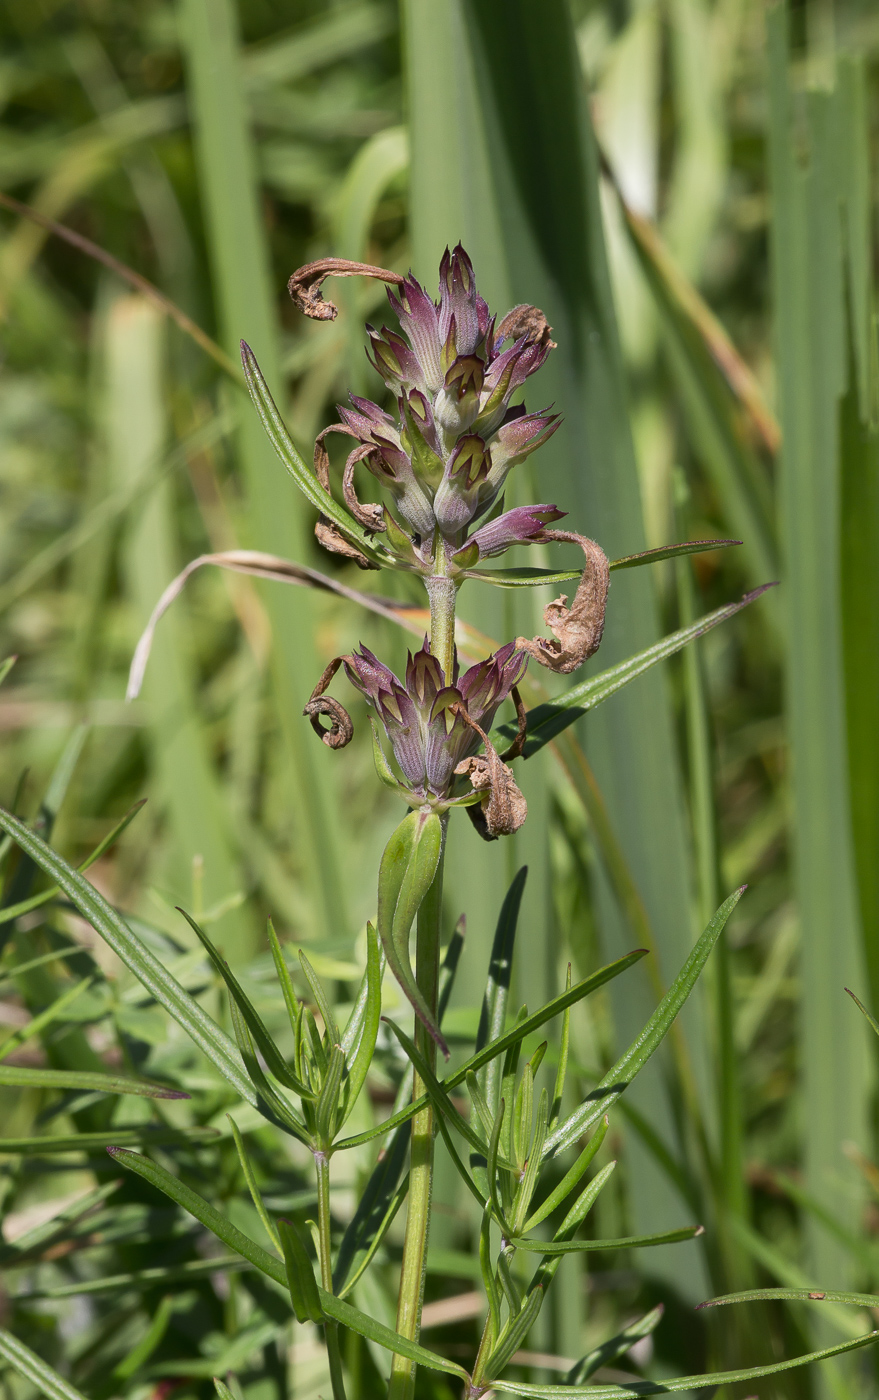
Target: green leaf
{"type": "Point", "coordinates": [6, 666]}
{"type": "Point", "coordinates": [437, 1094]}
{"type": "Point", "coordinates": [300, 1275]}
{"type": "Point", "coordinates": [305, 479]}
{"type": "Point", "coordinates": [16, 1076]}
{"type": "Point", "coordinates": [635, 1388]}
{"type": "Point", "coordinates": [222, 1390]}
{"type": "Point", "coordinates": [24, 906]}
{"type": "Point", "coordinates": [861, 1007]}
{"type": "Point", "coordinates": [407, 871]}
{"type": "Point", "coordinates": [546, 721]}
{"type": "Point", "coordinates": [670, 551]}
{"type": "Point", "coordinates": [251, 1017]}
{"type": "Point", "coordinates": [687, 1232]}
{"type": "Point", "coordinates": [136, 956]}
{"type": "Point", "coordinates": [35, 1369]}
{"type": "Point", "coordinates": [571, 1179]}
{"type": "Point", "coordinates": [802, 1295]}
{"type": "Point", "coordinates": [486, 1267]}
{"type": "Point", "coordinates": [327, 1106]}
{"type": "Point", "coordinates": [38, 1239]}
{"type": "Point", "coordinates": [497, 987]}
{"type": "Point", "coordinates": [379, 1202]}
{"type": "Point", "coordinates": [250, 1178]}
{"type": "Point", "coordinates": [514, 1334]}
{"type": "Point", "coordinates": [522, 578]}
{"type": "Point", "coordinates": [142, 1278]}
{"type": "Point", "coordinates": [617, 1079]}
{"type": "Point", "coordinates": [615, 1347]}
{"type": "Point", "coordinates": [358, 1040]}
{"type": "Point", "coordinates": [331, 1030]}
{"type": "Point", "coordinates": [95, 1142]}
{"type": "Point", "coordinates": [272, 1105]}
{"type": "Point", "coordinates": [260, 1258]}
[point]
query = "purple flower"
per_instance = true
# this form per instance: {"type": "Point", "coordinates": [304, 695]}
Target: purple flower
{"type": "Point", "coordinates": [428, 737]}
{"type": "Point", "coordinates": [453, 373]}
{"type": "Point", "coordinates": [519, 526]}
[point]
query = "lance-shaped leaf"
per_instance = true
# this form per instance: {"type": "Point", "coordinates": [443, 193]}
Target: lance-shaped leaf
{"type": "Point", "coordinates": [18, 1077]}
{"type": "Point", "coordinates": [260, 1259]}
{"type": "Point", "coordinates": [24, 906]}
{"type": "Point", "coordinates": [620, 1076]}
{"type": "Point", "coordinates": [407, 871]}
{"type": "Point", "coordinates": [35, 1369]}
{"type": "Point", "coordinates": [379, 1203]}
{"type": "Point", "coordinates": [276, 430]}
{"type": "Point", "coordinates": [801, 1295]}
{"type": "Point", "coordinates": [497, 988]}
{"type": "Point", "coordinates": [546, 721]}
{"type": "Point", "coordinates": [136, 956]}
{"type": "Point", "coordinates": [712, 1380]}
{"type": "Point", "coordinates": [358, 1039]}
{"type": "Point", "coordinates": [300, 1275]}
{"type": "Point", "coordinates": [253, 1188]}
{"type": "Point", "coordinates": [552, 1247]}
{"type": "Point", "coordinates": [251, 1017]}
{"type": "Point", "coordinates": [97, 1142]}
{"type": "Point", "coordinates": [532, 578]}
{"type": "Point", "coordinates": [272, 1105]}
{"type": "Point", "coordinates": [615, 1347]}
{"type": "Point", "coordinates": [571, 1179]}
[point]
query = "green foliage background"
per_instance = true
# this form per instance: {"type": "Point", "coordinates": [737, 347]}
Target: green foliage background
{"type": "Point", "coordinates": [711, 293]}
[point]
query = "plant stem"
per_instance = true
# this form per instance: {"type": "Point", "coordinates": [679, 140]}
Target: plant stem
{"type": "Point", "coordinates": [402, 1383]}
{"type": "Point", "coordinates": [331, 1328]}
{"type": "Point", "coordinates": [442, 594]}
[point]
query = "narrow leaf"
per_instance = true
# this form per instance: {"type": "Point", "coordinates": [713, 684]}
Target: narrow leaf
{"type": "Point", "coordinates": [615, 1347]}
{"type": "Point", "coordinates": [687, 1232]}
{"type": "Point", "coordinates": [96, 1142]}
{"type": "Point", "coordinates": [305, 479]}
{"type": "Point", "coordinates": [802, 1295]}
{"type": "Point", "coordinates": [670, 551]}
{"type": "Point", "coordinates": [300, 1275]}
{"type": "Point", "coordinates": [250, 1178]}
{"type": "Point", "coordinates": [497, 989]}
{"type": "Point", "coordinates": [136, 956]}
{"type": "Point", "coordinates": [358, 1040]}
{"type": "Point", "coordinates": [254, 1022]}
{"type": "Point", "coordinates": [35, 1369]}
{"type": "Point", "coordinates": [671, 1387]}
{"type": "Point", "coordinates": [618, 1078]}
{"type": "Point", "coordinates": [19, 1077]}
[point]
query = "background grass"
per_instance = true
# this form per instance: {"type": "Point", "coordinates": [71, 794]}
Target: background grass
{"type": "Point", "coordinates": [712, 296]}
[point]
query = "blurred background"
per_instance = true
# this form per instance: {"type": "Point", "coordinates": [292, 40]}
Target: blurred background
{"type": "Point", "coordinates": [686, 187]}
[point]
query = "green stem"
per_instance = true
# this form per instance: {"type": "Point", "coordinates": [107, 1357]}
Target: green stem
{"type": "Point", "coordinates": [411, 1297]}
{"type": "Point", "coordinates": [331, 1328]}
{"type": "Point", "coordinates": [442, 593]}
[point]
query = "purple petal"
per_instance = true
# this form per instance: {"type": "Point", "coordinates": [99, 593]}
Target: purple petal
{"type": "Point", "coordinates": [418, 317]}
{"type": "Point", "coordinates": [519, 526]}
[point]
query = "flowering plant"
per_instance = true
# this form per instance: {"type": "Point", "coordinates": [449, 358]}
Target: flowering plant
{"type": "Point", "coordinates": [443, 461]}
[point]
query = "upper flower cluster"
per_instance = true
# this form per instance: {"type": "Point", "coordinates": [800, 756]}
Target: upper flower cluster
{"type": "Point", "coordinates": [423, 718]}
{"type": "Point", "coordinates": [446, 456]}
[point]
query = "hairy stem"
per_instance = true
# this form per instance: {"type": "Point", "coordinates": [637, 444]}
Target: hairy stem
{"type": "Point", "coordinates": [331, 1328]}
{"type": "Point", "coordinates": [442, 594]}
{"type": "Point", "coordinates": [411, 1297]}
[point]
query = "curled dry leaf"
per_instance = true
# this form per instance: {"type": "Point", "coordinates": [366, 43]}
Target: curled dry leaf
{"type": "Point", "coordinates": [341, 730]}
{"type": "Point", "coordinates": [305, 284]}
{"type": "Point", "coordinates": [503, 808]}
{"type": "Point", "coordinates": [526, 320]}
{"type": "Point", "coordinates": [370, 516]}
{"type": "Point", "coordinates": [331, 538]}
{"type": "Point", "coordinates": [322, 457]}
{"type": "Point", "coordinates": [577, 630]}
